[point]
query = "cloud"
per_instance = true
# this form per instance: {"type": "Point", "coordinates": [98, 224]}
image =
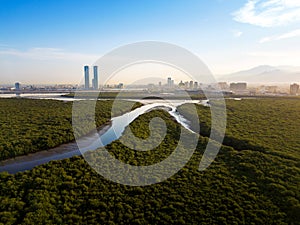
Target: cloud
{"type": "Point", "coordinates": [48, 54]}
{"type": "Point", "coordinates": [274, 54]}
{"type": "Point", "coordinates": [269, 13]}
{"type": "Point", "coordinates": [291, 34]}
{"type": "Point", "coordinates": [237, 33]}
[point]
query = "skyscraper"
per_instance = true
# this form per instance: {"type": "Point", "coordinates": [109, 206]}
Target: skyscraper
{"type": "Point", "coordinates": [95, 80]}
{"type": "Point", "coordinates": [86, 77]}
{"type": "Point", "coordinates": [17, 86]}
{"type": "Point", "coordinates": [191, 84]}
{"type": "Point", "coordinates": [195, 85]}
{"type": "Point", "coordinates": [169, 81]}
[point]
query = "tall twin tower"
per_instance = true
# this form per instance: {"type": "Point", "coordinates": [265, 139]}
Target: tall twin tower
{"type": "Point", "coordinates": [95, 84]}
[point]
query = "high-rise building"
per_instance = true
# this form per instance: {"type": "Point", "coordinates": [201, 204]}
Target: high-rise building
{"type": "Point", "coordinates": [195, 85]}
{"type": "Point", "coordinates": [191, 84]}
{"type": "Point", "coordinates": [186, 85]}
{"type": "Point", "coordinates": [17, 86]}
{"type": "Point", "coordinates": [169, 82]}
{"type": "Point", "coordinates": [86, 77]}
{"type": "Point", "coordinates": [294, 89]}
{"type": "Point", "coordinates": [95, 80]}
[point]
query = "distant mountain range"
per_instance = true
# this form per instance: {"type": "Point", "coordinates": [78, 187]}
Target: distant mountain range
{"type": "Point", "coordinates": [265, 74]}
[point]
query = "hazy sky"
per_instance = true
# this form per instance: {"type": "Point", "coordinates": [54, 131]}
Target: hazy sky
{"type": "Point", "coordinates": [50, 41]}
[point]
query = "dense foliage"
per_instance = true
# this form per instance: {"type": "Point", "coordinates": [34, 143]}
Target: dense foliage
{"type": "Point", "coordinates": [240, 187]}
{"type": "Point", "coordinates": [28, 125]}
{"type": "Point", "coordinates": [270, 125]}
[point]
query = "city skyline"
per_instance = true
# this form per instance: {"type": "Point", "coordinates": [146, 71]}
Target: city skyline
{"type": "Point", "coordinates": [49, 42]}
{"type": "Point", "coordinates": [159, 85]}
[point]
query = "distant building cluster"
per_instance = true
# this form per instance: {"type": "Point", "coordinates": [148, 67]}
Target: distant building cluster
{"type": "Point", "coordinates": [238, 88]}
{"type": "Point", "coordinates": [114, 86]}
{"type": "Point", "coordinates": [95, 83]}
{"type": "Point", "coordinates": [189, 85]}
{"type": "Point", "coordinates": [17, 87]}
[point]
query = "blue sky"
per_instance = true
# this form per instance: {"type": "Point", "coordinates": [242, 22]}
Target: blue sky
{"type": "Point", "coordinates": [50, 41]}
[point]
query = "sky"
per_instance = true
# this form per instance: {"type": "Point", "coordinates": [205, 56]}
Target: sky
{"type": "Point", "coordinates": [49, 42]}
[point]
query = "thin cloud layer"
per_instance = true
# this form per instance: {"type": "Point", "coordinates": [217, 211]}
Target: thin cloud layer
{"type": "Point", "coordinates": [48, 54]}
{"type": "Point", "coordinates": [237, 33]}
{"type": "Point", "coordinates": [269, 13]}
{"type": "Point", "coordinates": [291, 34]}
